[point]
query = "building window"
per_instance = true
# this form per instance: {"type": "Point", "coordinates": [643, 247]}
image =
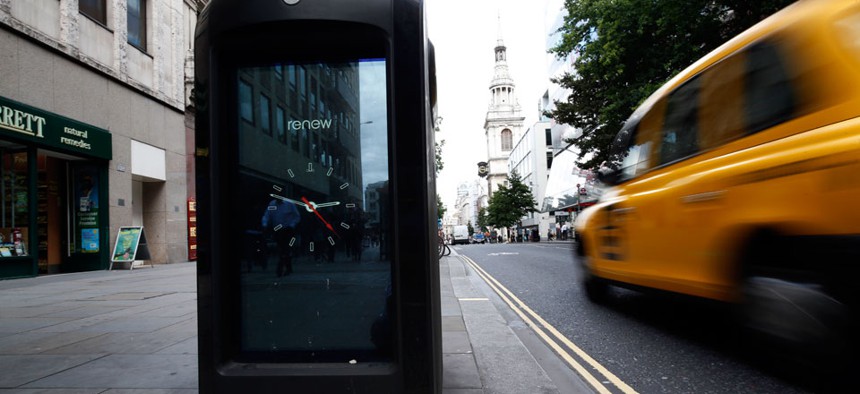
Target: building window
{"type": "Point", "coordinates": [302, 97]}
{"type": "Point", "coordinates": [305, 142]}
{"type": "Point", "coordinates": [291, 75]}
{"type": "Point", "coordinates": [246, 102]}
{"type": "Point", "coordinates": [137, 23]}
{"type": "Point", "coordinates": [279, 124]}
{"type": "Point", "coordinates": [294, 138]}
{"type": "Point", "coordinates": [265, 118]}
{"type": "Point", "coordinates": [507, 140]}
{"type": "Point", "coordinates": [94, 9]}
{"type": "Point", "coordinates": [548, 137]}
{"type": "Point", "coordinates": [313, 97]}
{"type": "Point", "coordinates": [303, 88]}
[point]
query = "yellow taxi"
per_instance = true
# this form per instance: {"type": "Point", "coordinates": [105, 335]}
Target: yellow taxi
{"type": "Point", "coordinates": [739, 181]}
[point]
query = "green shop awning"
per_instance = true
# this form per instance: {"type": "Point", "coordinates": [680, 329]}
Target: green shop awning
{"type": "Point", "coordinates": [48, 129]}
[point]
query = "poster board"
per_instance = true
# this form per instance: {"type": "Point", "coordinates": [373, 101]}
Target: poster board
{"type": "Point", "coordinates": [130, 246]}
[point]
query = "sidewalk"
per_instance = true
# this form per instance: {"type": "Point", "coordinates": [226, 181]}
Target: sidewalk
{"type": "Point", "coordinates": [136, 332]}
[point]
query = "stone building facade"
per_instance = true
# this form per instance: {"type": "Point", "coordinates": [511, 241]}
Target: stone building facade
{"type": "Point", "coordinates": [109, 79]}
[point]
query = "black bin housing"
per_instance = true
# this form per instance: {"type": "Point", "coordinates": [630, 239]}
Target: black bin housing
{"type": "Point", "coordinates": [317, 267]}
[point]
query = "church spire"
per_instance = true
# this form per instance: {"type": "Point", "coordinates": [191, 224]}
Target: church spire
{"type": "Point", "coordinates": [499, 42]}
{"type": "Point", "coordinates": [504, 120]}
{"type": "Point", "coordinates": [502, 85]}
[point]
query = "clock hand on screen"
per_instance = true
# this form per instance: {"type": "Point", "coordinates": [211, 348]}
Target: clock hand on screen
{"type": "Point", "coordinates": [311, 207]}
{"type": "Point", "coordinates": [282, 198]}
{"type": "Point", "coordinates": [325, 204]}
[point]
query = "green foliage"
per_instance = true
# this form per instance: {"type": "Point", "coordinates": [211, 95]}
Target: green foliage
{"type": "Point", "coordinates": [628, 48]}
{"type": "Point", "coordinates": [510, 203]}
{"type": "Point", "coordinates": [482, 219]}
{"type": "Point", "coordinates": [440, 207]}
{"type": "Point", "coordinates": [439, 163]}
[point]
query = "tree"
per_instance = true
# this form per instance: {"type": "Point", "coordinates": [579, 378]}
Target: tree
{"type": "Point", "coordinates": [510, 203]}
{"type": "Point", "coordinates": [482, 219]}
{"type": "Point", "coordinates": [440, 207]}
{"type": "Point", "coordinates": [470, 228]}
{"type": "Point", "coordinates": [626, 49]}
{"type": "Point", "coordinates": [439, 164]}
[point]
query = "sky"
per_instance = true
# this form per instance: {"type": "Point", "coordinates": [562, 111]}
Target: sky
{"type": "Point", "coordinates": [374, 155]}
{"type": "Point", "coordinates": [464, 33]}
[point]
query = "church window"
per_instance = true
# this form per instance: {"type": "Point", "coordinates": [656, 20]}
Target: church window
{"type": "Point", "coordinates": [507, 140]}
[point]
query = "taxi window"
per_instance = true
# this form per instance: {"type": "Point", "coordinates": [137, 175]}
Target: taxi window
{"type": "Point", "coordinates": [721, 114]}
{"type": "Point", "coordinates": [770, 97]}
{"type": "Point", "coordinates": [680, 130]}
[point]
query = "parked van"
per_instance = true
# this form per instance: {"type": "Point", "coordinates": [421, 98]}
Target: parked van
{"type": "Point", "coordinates": [739, 181]}
{"type": "Point", "coordinates": [460, 235]}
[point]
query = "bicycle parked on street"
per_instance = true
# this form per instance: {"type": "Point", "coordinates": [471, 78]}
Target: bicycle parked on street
{"type": "Point", "coordinates": [444, 250]}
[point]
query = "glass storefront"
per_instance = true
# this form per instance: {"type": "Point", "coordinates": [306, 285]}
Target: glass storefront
{"type": "Point", "coordinates": [14, 201]}
{"type": "Point", "coordinates": [53, 174]}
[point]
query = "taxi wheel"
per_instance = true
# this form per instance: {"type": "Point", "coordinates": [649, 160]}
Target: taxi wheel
{"type": "Point", "coordinates": [790, 309]}
{"type": "Point", "coordinates": [597, 289]}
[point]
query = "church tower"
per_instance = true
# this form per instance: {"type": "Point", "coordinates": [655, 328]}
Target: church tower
{"type": "Point", "coordinates": [504, 123]}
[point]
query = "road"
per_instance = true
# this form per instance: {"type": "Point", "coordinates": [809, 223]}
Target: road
{"type": "Point", "coordinates": [650, 343]}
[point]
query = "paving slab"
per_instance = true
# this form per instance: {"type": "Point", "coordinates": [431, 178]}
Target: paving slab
{"type": "Point", "coordinates": [40, 342]}
{"type": "Point", "coordinates": [462, 391]}
{"type": "Point", "coordinates": [456, 342]}
{"type": "Point", "coordinates": [29, 368]}
{"type": "Point", "coordinates": [460, 372]}
{"type": "Point", "coordinates": [52, 391]}
{"type": "Point", "coordinates": [139, 371]}
{"type": "Point", "coordinates": [22, 324]}
{"type": "Point", "coordinates": [453, 323]}
{"type": "Point", "coordinates": [123, 343]}
{"type": "Point", "coordinates": [188, 346]}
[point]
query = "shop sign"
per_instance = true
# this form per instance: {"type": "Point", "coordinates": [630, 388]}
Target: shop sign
{"type": "Point", "coordinates": [192, 229]}
{"type": "Point", "coordinates": [46, 128]}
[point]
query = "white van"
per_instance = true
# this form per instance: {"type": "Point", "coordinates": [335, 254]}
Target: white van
{"type": "Point", "coordinates": [461, 235]}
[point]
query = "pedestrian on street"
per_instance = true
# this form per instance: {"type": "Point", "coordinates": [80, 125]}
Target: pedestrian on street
{"type": "Point", "coordinates": [279, 223]}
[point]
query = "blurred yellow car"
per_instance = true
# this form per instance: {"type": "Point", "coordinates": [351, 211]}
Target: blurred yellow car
{"type": "Point", "coordinates": [739, 181]}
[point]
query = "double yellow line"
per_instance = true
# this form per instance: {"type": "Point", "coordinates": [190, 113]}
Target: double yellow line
{"type": "Point", "coordinates": [554, 338]}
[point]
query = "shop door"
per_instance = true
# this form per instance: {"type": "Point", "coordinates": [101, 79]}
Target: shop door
{"type": "Point", "coordinates": [51, 219]}
{"type": "Point", "coordinates": [86, 212]}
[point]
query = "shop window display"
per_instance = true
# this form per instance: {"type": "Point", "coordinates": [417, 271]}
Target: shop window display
{"type": "Point", "coordinates": [14, 203]}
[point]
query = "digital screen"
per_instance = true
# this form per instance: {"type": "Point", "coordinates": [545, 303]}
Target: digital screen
{"type": "Point", "coordinates": [311, 213]}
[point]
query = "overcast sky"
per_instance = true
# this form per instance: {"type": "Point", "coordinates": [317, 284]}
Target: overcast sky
{"type": "Point", "coordinates": [464, 33]}
{"type": "Point", "coordinates": [374, 153]}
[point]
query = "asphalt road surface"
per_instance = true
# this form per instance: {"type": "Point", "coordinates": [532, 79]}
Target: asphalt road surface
{"type": "Point", "coordinates": [649, 343]}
